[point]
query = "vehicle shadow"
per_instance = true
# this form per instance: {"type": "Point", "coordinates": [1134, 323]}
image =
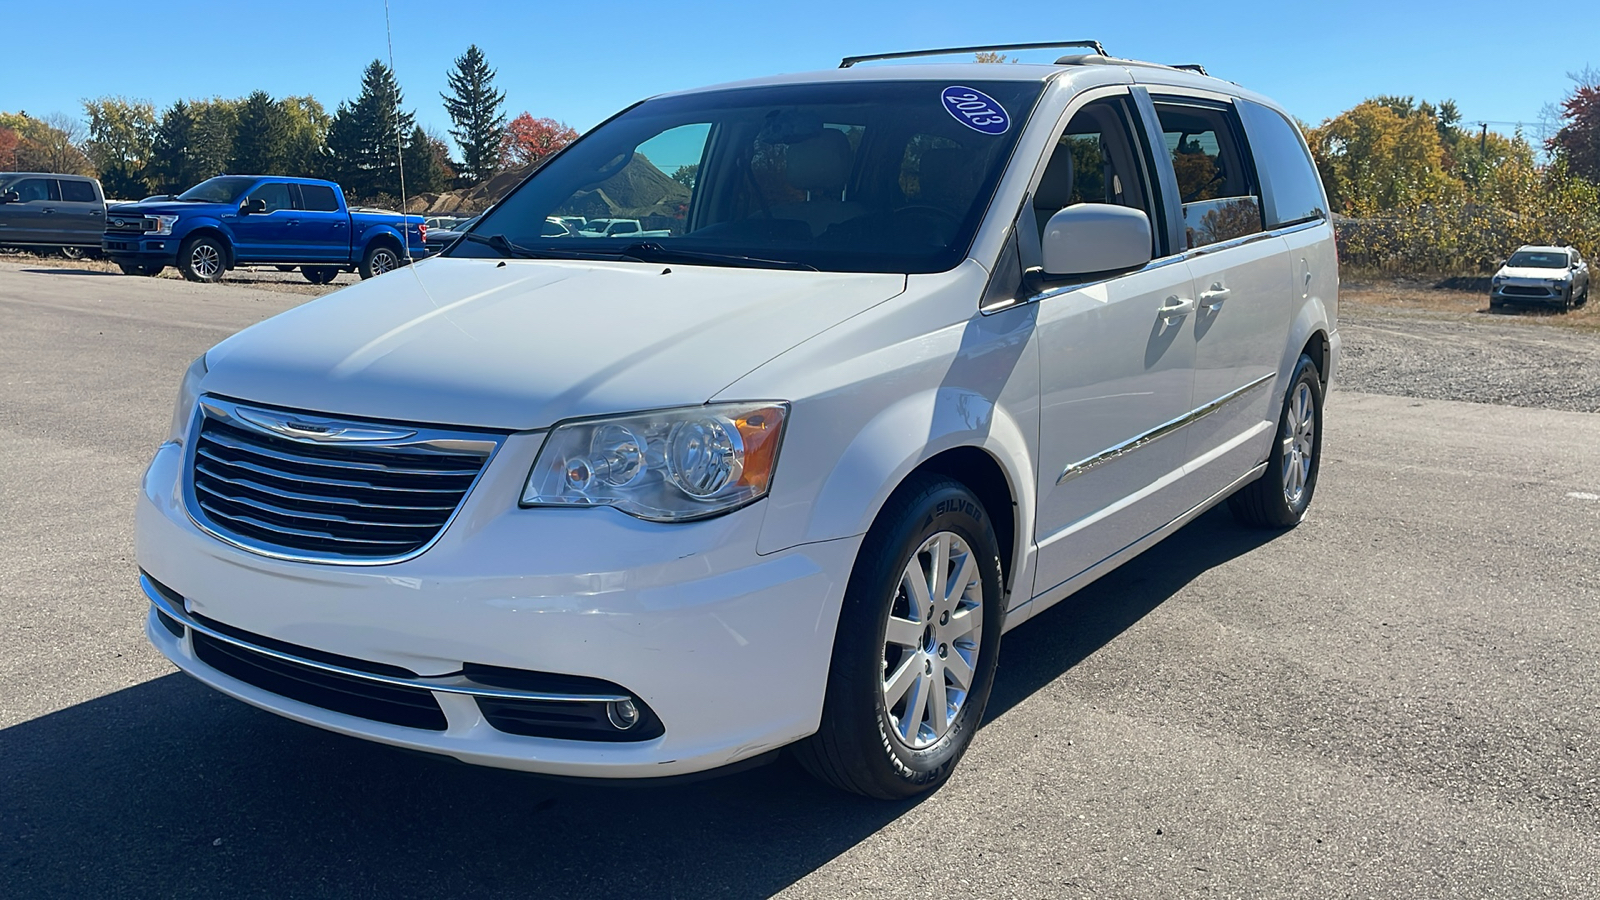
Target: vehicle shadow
{"type": "Point", "coordinates": [168, 788]}
{"type": "Point", "coordinates": [64, 271]}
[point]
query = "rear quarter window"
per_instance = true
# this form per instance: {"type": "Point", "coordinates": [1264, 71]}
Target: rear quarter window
{"type": "Point", "coordinates": [1290, 187]}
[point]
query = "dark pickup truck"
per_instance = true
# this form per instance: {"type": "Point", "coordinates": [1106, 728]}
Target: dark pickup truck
{"type": "Point", "coordinates": [46, 211]}
{"type": "Point", "coordinates": [241, 220]}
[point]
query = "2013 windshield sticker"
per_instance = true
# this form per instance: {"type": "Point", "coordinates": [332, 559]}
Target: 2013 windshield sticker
{"type": "Point", "coordinates": [976, 110]}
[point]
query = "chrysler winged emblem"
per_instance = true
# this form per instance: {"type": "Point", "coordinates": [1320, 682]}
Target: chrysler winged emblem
{"type": "Point", "coordinates": [298, 429]}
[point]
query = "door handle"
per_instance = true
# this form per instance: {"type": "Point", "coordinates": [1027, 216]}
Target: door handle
{"type": "Point", "coordinates": [1212, 300]}
{"type": "Point", "coordinates": [1176, 308]}
{"type": "Point", "coordinates": [96, 213]}
{"type": "Point", "coordinates": [47, 210]}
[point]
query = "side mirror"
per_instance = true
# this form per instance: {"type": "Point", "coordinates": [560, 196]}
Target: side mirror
{"type": "Point", "coordinates": [1095, 238]}
{"type": "Point", "coordinates": [10, 197]}
{"type": "Point", "coordinates": [250, 207]}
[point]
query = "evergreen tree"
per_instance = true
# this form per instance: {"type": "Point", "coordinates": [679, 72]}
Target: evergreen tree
{"type": "Point", "coordinates": [173, 167]}
{"type": "Point", "coordinates": [362, 140]}
{"type": "Point", "coordinates": [261, 144]}
{"type": "Point", "coordinates": [475, 107]}
{"type": "Point", "coordinates": [427, 165]}
{"type": "Point", "coordinates": [216, 124]}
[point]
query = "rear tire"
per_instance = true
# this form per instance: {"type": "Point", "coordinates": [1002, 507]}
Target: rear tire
{"type": "Point", "coordinates": [890, 654]}
{"type": "Point", "coordinates": [380, 258]}
{"type": "Point", "coordinates": [72, 252]}
{"type": "Point", "coordinates": [1280, 497]}
{"type": "Point", "coordinates": [319, 274]}
{"type": "Point", "coordinates": [203, 259]}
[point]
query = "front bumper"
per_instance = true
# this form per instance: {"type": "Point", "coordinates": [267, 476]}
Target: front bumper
{"type": "Point", "coordinates": [730, 649]}
{"type": "Point", "coordinates": [142, 250]}
{"type": "Point", "coordinates": [1528, 293]}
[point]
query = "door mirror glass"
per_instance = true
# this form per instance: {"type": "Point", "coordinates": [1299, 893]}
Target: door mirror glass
{"type": "Point", "coordinates": [256, 205]}
{"type": "Point", "coordinates": [1095, 238]}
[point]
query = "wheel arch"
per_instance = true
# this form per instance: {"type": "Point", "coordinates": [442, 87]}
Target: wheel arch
{"type": "Point", "coordinates": [211, 231]}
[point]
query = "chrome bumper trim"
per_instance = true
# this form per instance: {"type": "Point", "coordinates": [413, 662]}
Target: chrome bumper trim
{"type": "Point", "coordinates": [444, 684]}
{"type": "Point", "coordinates": [1158, 432]}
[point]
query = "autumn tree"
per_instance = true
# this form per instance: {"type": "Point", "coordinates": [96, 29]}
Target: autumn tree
{"type": "Point", "coordinates": [476, 109]}
{"type": "Point", "coordinates": [50, 144]}
{"type": "Point", "coordinates": [529, 140]}
{"type": "Point", "coordinates": [305, 147]}
{"type": "Point", "coordinates": [122, 135]}
{"type": "Point", "coordinates": [1373, 158]}
{"type": "Point", "coordinates": [1578, 142]}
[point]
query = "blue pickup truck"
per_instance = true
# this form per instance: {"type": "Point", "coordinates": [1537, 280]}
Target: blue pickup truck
{"type": "Point", "coordinates": [242, 220]}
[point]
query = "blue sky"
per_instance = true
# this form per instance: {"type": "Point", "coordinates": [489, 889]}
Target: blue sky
{"type": "Point", "coordinates": [580, 61]}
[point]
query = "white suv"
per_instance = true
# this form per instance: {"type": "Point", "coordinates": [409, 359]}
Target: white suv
{"type": "Point", "coordinates": [927, 349]}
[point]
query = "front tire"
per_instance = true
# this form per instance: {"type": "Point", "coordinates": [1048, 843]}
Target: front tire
{"type": "Point", "coordinates": [916, 646]}
{"type": "Point", "coordinates": [380, 258]}
{"type": "Point", "coordinates": [144, 269]}
{"type": "Point", "coordinates": [1280, 497]}
{"type": "Point", "coordinates": [203, 259]}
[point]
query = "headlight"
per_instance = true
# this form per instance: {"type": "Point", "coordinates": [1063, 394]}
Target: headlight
{"type": "Point", "coordinates": [1500, 279]}
{"type": "Point", "coordinates": [163, 224]}
{"type": "Point", "coordinates": [669, 466]}
{"type": "Point", "coordinates": [188, 396]}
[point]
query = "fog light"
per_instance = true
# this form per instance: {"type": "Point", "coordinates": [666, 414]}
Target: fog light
{"type": "Point", "coordinates": [622, 714]}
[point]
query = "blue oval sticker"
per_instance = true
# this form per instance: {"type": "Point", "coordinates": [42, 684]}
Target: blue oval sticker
{"type": "Point", "coordinates": [975, 109]}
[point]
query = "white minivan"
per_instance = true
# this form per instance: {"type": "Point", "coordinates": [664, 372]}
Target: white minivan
{"type": "Point", "coordinates": [925, 349]}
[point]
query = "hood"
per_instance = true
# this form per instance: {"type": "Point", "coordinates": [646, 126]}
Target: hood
{"type": "Point", "coordinates": [161, 207]}
{"type": "Point", "coordinates": [1529, 273]}
{"type": "Point", "coordinates": [521, 344]}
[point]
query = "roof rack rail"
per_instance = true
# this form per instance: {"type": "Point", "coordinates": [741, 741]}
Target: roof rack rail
{"type": "Point", "coordinates": [849, 61]}
{"type": "Point", "coordinates": [1192, 67]}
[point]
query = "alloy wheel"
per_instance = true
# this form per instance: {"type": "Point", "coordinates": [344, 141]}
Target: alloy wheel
{"type": "Point", "coordinates": [930, 650]}
{"type": "Point", "coordinates": [384, 261]}
{"type": "Point", "coordinates": [205, 259]}
{"type": "Point", "coordinates": [1299, 443]}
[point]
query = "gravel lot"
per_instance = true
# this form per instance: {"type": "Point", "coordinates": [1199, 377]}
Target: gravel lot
{"type": "Point", "coordinates": [1395, 700]}
{"type": "Point", "coordinates": [1442, 345]}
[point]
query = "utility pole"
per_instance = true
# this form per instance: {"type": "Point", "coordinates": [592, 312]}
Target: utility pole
{"type": "Point", "coordinates": [1483, 149]}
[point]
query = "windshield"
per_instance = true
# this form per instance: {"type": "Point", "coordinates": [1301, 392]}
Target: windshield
{"type": "Point", "coordinates": [847, 177]}
{"type": "Point", "coordinates": [222, 189]}
{"type": "Point", "coordinates": [1537, 259]}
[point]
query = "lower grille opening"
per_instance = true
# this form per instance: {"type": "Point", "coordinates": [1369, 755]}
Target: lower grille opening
{"type": "Point", "coordinates": [590, 721]}
{"type": "Point", "coordinates": [409, 707]}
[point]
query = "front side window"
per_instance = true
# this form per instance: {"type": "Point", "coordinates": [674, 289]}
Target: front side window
{"type": "Point", "coordinates": [77, 191]}
{"type": "Point", "coordinates": [1096, 160]}
{"type": "Point", "coordinates": [222, 189]}
{"type": "Point", "coordinates": [275, 194]}
{"type": "Point", "coordinates": [1215, 184]}
{"type": "Point", "coordinates": [33, 189]}
{"type": "Point", "coordinates": [850, 177]}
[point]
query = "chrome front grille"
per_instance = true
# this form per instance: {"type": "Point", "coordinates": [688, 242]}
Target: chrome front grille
{"type": "Point", "coordinates": [307, 487]}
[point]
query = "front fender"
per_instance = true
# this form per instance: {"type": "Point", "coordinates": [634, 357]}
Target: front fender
{"type": "Point", "coordinates": [902, 437]}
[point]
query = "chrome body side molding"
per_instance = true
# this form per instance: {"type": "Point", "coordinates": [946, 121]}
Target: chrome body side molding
{"type": "Point", "coordinates": [1157, 433]}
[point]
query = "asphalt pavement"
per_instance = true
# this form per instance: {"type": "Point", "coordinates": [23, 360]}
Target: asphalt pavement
{"type": "Point", "coordinates": [1397, 699]}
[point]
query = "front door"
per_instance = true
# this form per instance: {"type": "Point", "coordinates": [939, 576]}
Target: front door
{"type": "Point", "coordinates": [266, 235]}
{"type": "Point", "coordinates": [1117, 364]}
{"type": "Point", "coordinates": [30, 218]}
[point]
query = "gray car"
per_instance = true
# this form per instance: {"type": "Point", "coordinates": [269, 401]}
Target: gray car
{"type": "Point", "coordinates": [1552, 276]}
{"type": "Point", "coordinates": [51, 212]}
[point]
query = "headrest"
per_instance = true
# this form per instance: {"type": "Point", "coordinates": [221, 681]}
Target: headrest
{"type": "Point", "coordinates": [1055, 188]}
{"type": "Point", "coordinates": [820, 163]}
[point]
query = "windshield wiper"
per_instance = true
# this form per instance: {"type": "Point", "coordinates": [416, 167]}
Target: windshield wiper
{"type": "Point", "coordinates": [650, 251]}
{"type": "Point", "coordinates": [503, 244]}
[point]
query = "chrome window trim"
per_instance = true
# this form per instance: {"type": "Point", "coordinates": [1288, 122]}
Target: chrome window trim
{"type": "Point", "coordinates": [1157, 433]}
{"type": "Point", "coordinates": [417, 439]}
{"type": "Point", "coordinates": [175, 609]}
